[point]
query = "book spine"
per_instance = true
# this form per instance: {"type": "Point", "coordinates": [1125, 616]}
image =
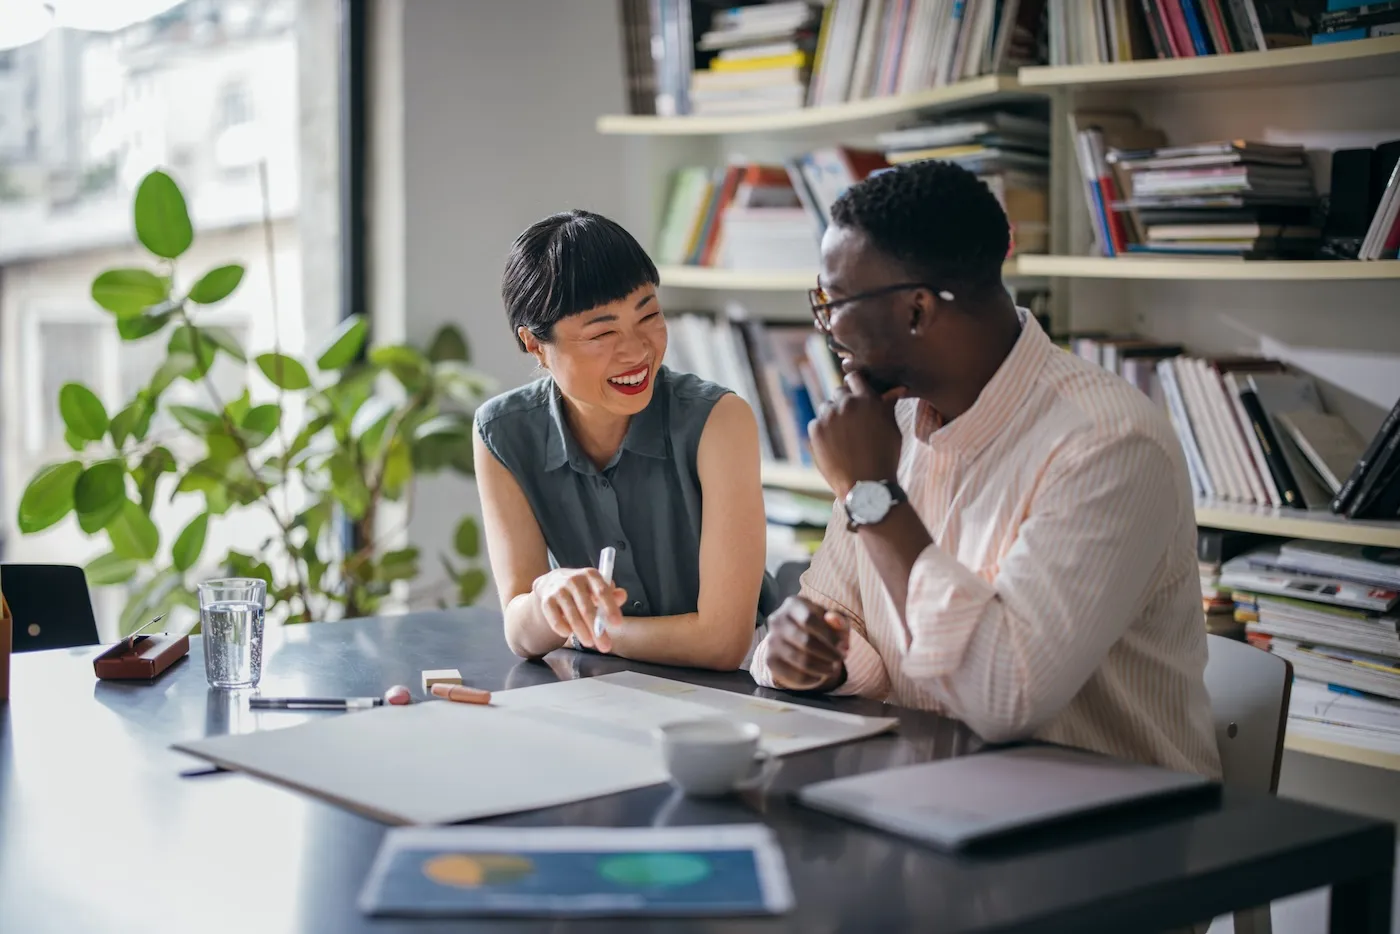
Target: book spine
{"type": "Point", "coordinates": [1156, 30]}
{"type": "Point", "coordinates": [1244, 33]}
{"type": "Point", "coordinates": [1283, 477]}
{"type": "Point", "coordinates": [1180, 36]}
{"type": "Point", "coordinates": [1378, 479]}
{"type": "Point", "coordinates": [1190, 11]}
{"type": "Point", "coordinates": [1391, 426]}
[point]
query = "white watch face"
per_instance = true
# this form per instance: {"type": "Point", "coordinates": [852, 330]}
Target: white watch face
{"type": "Point", "coordinates": [868, 502]}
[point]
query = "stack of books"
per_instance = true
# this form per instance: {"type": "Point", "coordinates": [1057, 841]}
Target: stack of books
{"type": "Point", "coordinates": [1235, 198]}
{"type": "Point", "coordinates": [1131, 357]}
{"type": "Point", "coordinates": [1103, 31]}
{"type": "Point", "coordinates": [1009, 150]}
{"type": "Point", "coordinates": [1329, 609]}
{"type": "Point", "coordinates": [763, 60]}
{"type": "Point", "coordinates": [755, 216]}
{"type": "Point", "coordinates": [1213, 548]}
{"type": "Point", "coordinates": [875, 48]}
{"type": "Point", "coordinates": [1346, 20]}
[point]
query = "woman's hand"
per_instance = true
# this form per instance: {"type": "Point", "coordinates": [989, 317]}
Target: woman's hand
{"type": "Point", "coordinates": [569, 597]}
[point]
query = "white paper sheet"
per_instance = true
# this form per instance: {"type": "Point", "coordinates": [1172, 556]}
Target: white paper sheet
{"type": "Point", "coordinates": [535, 747]}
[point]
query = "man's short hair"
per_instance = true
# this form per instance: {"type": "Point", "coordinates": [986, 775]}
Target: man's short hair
{"type": "Point", "coordinates": [936, 218]}
{"type": "Point", "coordinates": [567, 264]}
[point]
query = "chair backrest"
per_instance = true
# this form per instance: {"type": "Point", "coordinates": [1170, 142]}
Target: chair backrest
{"type": "Point", "coordinates": [789, 578]}
{"type": "Point", "coordinates": [50, 606]}
{"type": "Point", "coordinates": [1249, 690]}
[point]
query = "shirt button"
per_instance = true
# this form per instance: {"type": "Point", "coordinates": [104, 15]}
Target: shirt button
{"type": "Point", "coordinates": [621, 546]}
{"type": "Point", "coordinates": [604, 484]}
{"type": "Point", "coordinates": [636, 604]}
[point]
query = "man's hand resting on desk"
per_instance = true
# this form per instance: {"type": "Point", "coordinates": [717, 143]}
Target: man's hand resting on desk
{"type": "Point", "coordinates": [568, 597]}
{"type": "Point", "coordinates": [807, 646]}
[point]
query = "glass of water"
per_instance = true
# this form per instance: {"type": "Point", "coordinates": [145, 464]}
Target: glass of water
{"type": "Point", "coordinates": [231, 617]}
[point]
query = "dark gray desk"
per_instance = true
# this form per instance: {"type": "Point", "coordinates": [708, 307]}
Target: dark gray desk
{"type": "Point", "coordinates": [99, 834]}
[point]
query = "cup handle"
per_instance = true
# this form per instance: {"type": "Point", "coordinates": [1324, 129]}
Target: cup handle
{"type": "Point", "coordinates": [767, 766]}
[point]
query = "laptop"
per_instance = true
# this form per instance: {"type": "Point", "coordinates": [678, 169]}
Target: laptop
{"type": "Point", "coordinates": [953, 803]}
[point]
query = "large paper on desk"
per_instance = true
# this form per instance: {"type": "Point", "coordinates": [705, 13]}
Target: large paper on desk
{"type": "Point", "coordinates": [440, 762]}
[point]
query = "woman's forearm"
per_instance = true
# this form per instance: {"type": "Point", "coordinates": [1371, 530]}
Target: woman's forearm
{"type": "Point", "coordinates": [527, 633]}
{"type": "Point", "coordinates": [686, 639]}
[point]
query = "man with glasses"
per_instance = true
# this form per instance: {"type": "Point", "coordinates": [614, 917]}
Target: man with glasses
{"type": "Point", "coordinates": [1013, 542]}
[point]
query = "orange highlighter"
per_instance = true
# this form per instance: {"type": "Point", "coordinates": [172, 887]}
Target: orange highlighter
{"type": "Point", "coordinates": [461, 694]}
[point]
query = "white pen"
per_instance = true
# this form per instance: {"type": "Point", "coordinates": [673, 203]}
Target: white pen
{"type": "Point", "coordinates": [605, 568]}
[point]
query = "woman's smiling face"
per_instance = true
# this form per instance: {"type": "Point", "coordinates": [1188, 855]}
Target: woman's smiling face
{"type": "Point", "coordinates": [606, 357]}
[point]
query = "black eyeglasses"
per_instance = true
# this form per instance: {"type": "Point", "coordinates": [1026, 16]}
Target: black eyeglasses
{"type": "Point", "coordinates": [822, 303]}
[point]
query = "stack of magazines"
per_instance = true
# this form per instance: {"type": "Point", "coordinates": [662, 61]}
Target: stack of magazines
{"type": "Point", "coordinates": [1331, 610]}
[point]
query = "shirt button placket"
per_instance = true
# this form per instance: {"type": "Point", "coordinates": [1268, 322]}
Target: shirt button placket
{"type": "Point", "coordinates": [624, 568]}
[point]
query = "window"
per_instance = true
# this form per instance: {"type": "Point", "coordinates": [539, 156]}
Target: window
{"type": "Point", "coordinates": [212, 91]}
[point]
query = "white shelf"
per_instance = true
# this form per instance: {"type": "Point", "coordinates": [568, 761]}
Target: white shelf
{"type": "Point", "coordinates": [1314, 64]}
{"type": "Point", "coordinates": [705, 277]}
{"type": "Point", "coordinates": [758, 280]}
{"type": "Point", "coordinates": [1205, 268]}
{"type": "Point", "coordinates": [1317, 525]}
{"type": "Point", "coordinates": [1341, 751]}
{"type": "Point", "coordinates": [1001, 87]}
{"type": "Point", "coordinates": [1262, 520]}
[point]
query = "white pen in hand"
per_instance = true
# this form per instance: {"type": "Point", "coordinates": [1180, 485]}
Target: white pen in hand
{"type": "Point", "coordinates": [605, 568]}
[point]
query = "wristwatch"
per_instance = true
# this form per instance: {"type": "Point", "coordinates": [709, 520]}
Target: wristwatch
{"type": "Point", "coordinates": [869, 501]}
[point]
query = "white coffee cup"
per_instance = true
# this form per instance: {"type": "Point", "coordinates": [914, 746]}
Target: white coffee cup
{"type": "Point", "coordinates": [714, 757]}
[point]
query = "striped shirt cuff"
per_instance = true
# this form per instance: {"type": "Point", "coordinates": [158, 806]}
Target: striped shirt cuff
{"type": "Point", "coordinates": [944, 605]}
{"type": "Point", "coordinates": [865, 671]}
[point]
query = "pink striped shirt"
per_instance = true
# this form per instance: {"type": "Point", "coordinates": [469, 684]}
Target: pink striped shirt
{"type": "Point", "coordinates": [1061, 598]}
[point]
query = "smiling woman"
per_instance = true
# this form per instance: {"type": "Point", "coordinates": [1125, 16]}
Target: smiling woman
{"type": "Point", "coordinates": [611, 449]}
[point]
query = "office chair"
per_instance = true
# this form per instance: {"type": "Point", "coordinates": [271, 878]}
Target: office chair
{"type": "Point", "coordinates": [1249, 690]}
{"type": "Point", "coordinates": [50, 605]}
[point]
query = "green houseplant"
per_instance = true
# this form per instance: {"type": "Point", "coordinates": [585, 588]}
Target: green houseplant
{"type": "Point", "coordinates": [339, 434]}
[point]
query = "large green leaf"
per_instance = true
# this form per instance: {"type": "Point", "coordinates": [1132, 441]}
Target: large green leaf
{"type": "Point", "coordinates": [174, 366]}
{"type": "Point", "coordinates": [126, 292]}
{"type": "Point", "coordinates": [109, 569]}
{"type": "Point", "coordinates": [162, 220]}
{"type": "Point", "coordinates": [260, 422]}
{"type": "Point", "coordinates": [370, 420]}
{"type": "Point", "coordinates": [148, 599]}
{"type": "Point", "coordinates": [82, 411]}
{"type": "Point", "coordinates": [408, 365]}
{"type": "Point", "coordinates": [185, 552]}
{"type": "Point", "coordinates": [98, 495]}
{"type": "Point", "coordinates": [467, 540]}
{"type": "Point", "coordinates": [398, 468]}
{"type": "Point", "coordinates": [135, 327]}
{"type": "Point", "coordinates": [133, 534]}
{"type": "Point", "coordinates": [200, 421]}
{"type": "Point", "coordinates": [345, 344]}
{"type": "Point", "coordinates": [470, 585]}
{"type": "Point", "coordinates": [73, 441]}
{"type": "Point", "coordinates": [49, 496]}
{"type": "Point", "coordinates": [398, 565]}
{"type": "Point", "coordinates": [348, 485]}
{"type": "Point", "coordinates": [461, 383]}
{"type": "Point", "coordinates": [156, 461]}
{"type": "Point", "coordinates": [283, 372]}
{"type": "Point", "coordinates": [216, 284]}
{"type": "Point", "coordinates": [193, 342]}
{"type": "Point", "coordinates": [223, 339]}
{"type": "Point", "coordinates": [449, 343]}
{"type": "Point", "coordinates": [131, 422]}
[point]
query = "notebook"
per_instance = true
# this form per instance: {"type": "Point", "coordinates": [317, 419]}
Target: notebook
{"type": "Point", "coordinates": [725, 870]}
{"type": "Point", "coordinates": [953, 803]}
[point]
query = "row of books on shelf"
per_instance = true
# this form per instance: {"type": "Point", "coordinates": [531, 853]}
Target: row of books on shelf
{"type": "Point", "coordinates": [782, 369]}
{"type": "Point", "coordinates": [1103, 31]}
{"type": "Point", "coordinates": [756, 216]}
{"type": "Point", "coordinates": [1238, 198]}
{"type": "Point", "coordinates": [1329, 609]}
{"type": "Point", "coordinates": [696, 57]}
{"type": "Point", "coordinates": [1255, 432]}
{"type": "Point", "coordinates": [686, 57]}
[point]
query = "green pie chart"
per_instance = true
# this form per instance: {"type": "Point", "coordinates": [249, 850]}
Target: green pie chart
{"type": "Point", "coordinates": [652, 869]}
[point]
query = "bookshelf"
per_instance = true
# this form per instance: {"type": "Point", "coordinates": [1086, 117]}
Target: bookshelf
{"type": "Point", "coordinates": [1315, 64]}
{"type": "Point", "coordinates": [1360, 755]}
{"type": "Point", "coordinates": [1235, 517]}
{"type": "Point", "coordinates": [1206, 269]}
{"type": "Point", "coordinates": [843, 117]}
{"type": "Point", "coordinates": [776, 280]}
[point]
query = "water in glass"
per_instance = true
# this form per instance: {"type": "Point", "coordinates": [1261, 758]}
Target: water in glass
{"type": "Point", "coordinates": [233, 638]}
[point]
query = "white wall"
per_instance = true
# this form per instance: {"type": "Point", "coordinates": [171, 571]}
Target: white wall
{"type": "Point", "coordinates": [495, 104]}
